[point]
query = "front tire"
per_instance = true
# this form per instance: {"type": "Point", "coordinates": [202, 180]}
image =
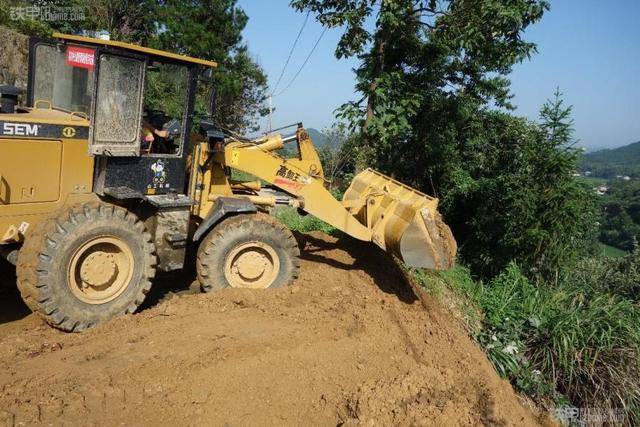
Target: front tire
{"type": "Point", "coordinates": [92, 264]}
{"type": "Point", "coordinates": [248, 251]}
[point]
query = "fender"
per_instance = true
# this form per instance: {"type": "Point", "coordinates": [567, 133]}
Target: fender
{"type": "Point", "coordinates": [223, 207]}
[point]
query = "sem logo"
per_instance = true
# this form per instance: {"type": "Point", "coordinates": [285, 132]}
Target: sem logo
{"type": "Point", "coordinates": [69, 132]}
{"type": "Point", "coordinates": [20, 129]}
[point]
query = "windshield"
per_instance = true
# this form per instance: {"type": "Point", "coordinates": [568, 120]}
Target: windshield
{"type": "Point", "coordinates": [64, 76]}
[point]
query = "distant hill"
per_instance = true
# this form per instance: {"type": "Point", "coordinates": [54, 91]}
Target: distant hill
{"type": "Point", "coordinates": [319, 139]}
{"type": "Point", "coordinates": [622, 155]}
{"type": "Point", "coordinates": [611, 162]}
{"type": "Point", "coordinates": [594, 148]}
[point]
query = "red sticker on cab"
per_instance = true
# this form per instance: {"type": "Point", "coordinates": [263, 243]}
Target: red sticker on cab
{"type": "Point", "coordinates": [81, 57]}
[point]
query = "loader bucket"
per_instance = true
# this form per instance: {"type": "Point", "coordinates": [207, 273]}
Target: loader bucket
{"type": "Point", "coordinates": [403, 221]}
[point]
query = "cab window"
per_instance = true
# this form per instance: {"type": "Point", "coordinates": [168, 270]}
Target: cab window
{"type": "Point", "coordinates": [164, 112]}
{"type": "Point", "coordinates": [64, 76]}
{"type": "Point", "coordinates": [117, 114]}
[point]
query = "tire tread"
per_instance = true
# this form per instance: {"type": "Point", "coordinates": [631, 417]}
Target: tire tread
{"type": "Point", "coordinates": [35, 261]}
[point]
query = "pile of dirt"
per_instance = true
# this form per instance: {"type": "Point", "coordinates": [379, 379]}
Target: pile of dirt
{"type": "Point", "coordinates": [348, 343]}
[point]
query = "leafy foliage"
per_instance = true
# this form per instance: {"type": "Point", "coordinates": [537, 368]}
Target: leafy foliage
{"type": "Point", "coordinates": [430, 73]}
{"type": "Point", "coordinates": [579, 339]}
{"type": "Point", "coordinates": [205, 29]}
{"type": "Point", "coordinates": [166, 90]}
{"type": "Point", "coordinates": [127, 20]}
{"type": "Point", "coordinates": [24, 26]}
{"type": "Point", "coordinates": [613, 162]}
{"type": "Point", "coordinates": [556, 120]}
{"type": "Point", "coordinates": [513, 198]}
{"type": "Point", "coordinates": [620, 221]}
{"type": "Point", "coordinates": [303, 224]}
{"type": "Point", "coordinates": [213, 30]}
{"type": "Point", "coordinates": [336, 155]}
{"type": "Point", "coordinates": [619, 276]}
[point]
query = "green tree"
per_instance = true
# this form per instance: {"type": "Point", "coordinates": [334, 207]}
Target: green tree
{"type": "Point", "coordinates": [522, 202]}
{"type": "Point", "coordinates": [212, 29]}
{"type": "Point", "coordinates": [127, 20]}
{"type": "Point", "coordinates": [337, 156]}
{"type": "Point", "coordinates": [430, 75]}
{"type": "Point", "coordinates": [620, 220]}
{"type": "Point", "coordinates": [209, 29]}
{"type": "Point", "coordinates": [556, 119]}
{"type": "Point", "coordinates": [22, 24]}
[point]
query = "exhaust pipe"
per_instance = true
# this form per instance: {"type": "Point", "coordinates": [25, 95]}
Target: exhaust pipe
{"type": "Point", "coordinates": [9, 98]}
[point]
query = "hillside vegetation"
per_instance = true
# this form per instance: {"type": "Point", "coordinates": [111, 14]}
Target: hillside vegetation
{"type": "Point", "coordinates": [319, 139]}
{"type": "Point", "coordinates": [613, 162]}
{"type": "Point", "coordinates": [620, 219]}
{"type": "Point", "coordinates": [615, 174]}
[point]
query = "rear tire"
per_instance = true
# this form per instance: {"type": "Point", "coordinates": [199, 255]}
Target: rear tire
{"type": "Point", "coordinates": [248, 251]}
{"type": "Point", "coordinates": [7, 275]}
{"type": "Point", "coordinates": [92, 264]}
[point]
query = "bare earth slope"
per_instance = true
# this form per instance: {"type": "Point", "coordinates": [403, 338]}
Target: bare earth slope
{"type": "Point", "coordinates": [347, 343]}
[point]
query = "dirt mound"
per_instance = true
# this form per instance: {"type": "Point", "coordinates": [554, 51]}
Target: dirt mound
{"type": "Point", "coordinates": [348, 343]}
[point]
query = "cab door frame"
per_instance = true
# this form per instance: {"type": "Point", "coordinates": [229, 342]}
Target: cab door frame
{"type": "Point", "coordinates": [121, 150]}
{"type": "Point", "coordinates": [137, 177]}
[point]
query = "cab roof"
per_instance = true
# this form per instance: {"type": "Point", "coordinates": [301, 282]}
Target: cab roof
{"type": "Point", "coordinates": [135, 48]}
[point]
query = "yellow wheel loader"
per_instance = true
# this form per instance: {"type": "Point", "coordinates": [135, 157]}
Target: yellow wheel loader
{"type": "Point", "coordinates": [102, 183]}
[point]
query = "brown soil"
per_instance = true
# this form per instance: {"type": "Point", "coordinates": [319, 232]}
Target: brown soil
{"type": "Point", "coordinates": [347, 343]}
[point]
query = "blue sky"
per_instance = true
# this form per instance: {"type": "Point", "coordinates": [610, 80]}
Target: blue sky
{"type": "Point", "coordinates": [590, 49]}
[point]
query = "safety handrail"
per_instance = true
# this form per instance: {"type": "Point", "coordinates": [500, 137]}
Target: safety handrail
{"type": "Point", "coordinates": [2, 197]}
{"type": "Point", "coordinates": [43, 101]}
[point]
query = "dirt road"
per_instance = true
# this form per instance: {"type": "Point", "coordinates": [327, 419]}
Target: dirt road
{"type": "Point", "coordinates": [348, 343]}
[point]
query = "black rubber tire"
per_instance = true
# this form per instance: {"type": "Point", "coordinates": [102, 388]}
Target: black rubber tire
{"type": "Point", "coordinates": [236, 230]}
{"type": "Point", "coordinates": [44, 260]}
{"type": "Point", "coordinates": [7, 275]}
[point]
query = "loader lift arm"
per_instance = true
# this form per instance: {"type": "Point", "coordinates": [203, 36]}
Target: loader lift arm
{"type": "Point", "coordinates": [375, 208]}
{"type": "Point", "coordinates": [287, 176]}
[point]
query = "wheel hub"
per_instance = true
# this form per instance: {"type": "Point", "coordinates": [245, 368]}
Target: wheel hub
{"type": "Point", "coordinates": [98, 269]}
{"type": "Point", "coordinates": [252, 265]}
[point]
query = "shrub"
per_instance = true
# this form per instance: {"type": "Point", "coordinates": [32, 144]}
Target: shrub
{"type": "Point", "coordinates": [577, 339]}
{"type": "Point", "coordinates": [619, 276]}
{"type": "Point", "coordinates": [303, 224]}
{"type": "Point", "coordinates": [588, 346]}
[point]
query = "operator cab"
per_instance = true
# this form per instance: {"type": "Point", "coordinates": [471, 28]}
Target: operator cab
{"type": "Point", "coordinates": [139, 103]}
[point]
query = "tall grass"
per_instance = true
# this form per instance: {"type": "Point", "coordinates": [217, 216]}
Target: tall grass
{"type": "Point", "coordinates": [577, 341]}
{"type": "Point", "coordinates": [588, 347]}
{"type": "Point", "coordinates": [302, 223]}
